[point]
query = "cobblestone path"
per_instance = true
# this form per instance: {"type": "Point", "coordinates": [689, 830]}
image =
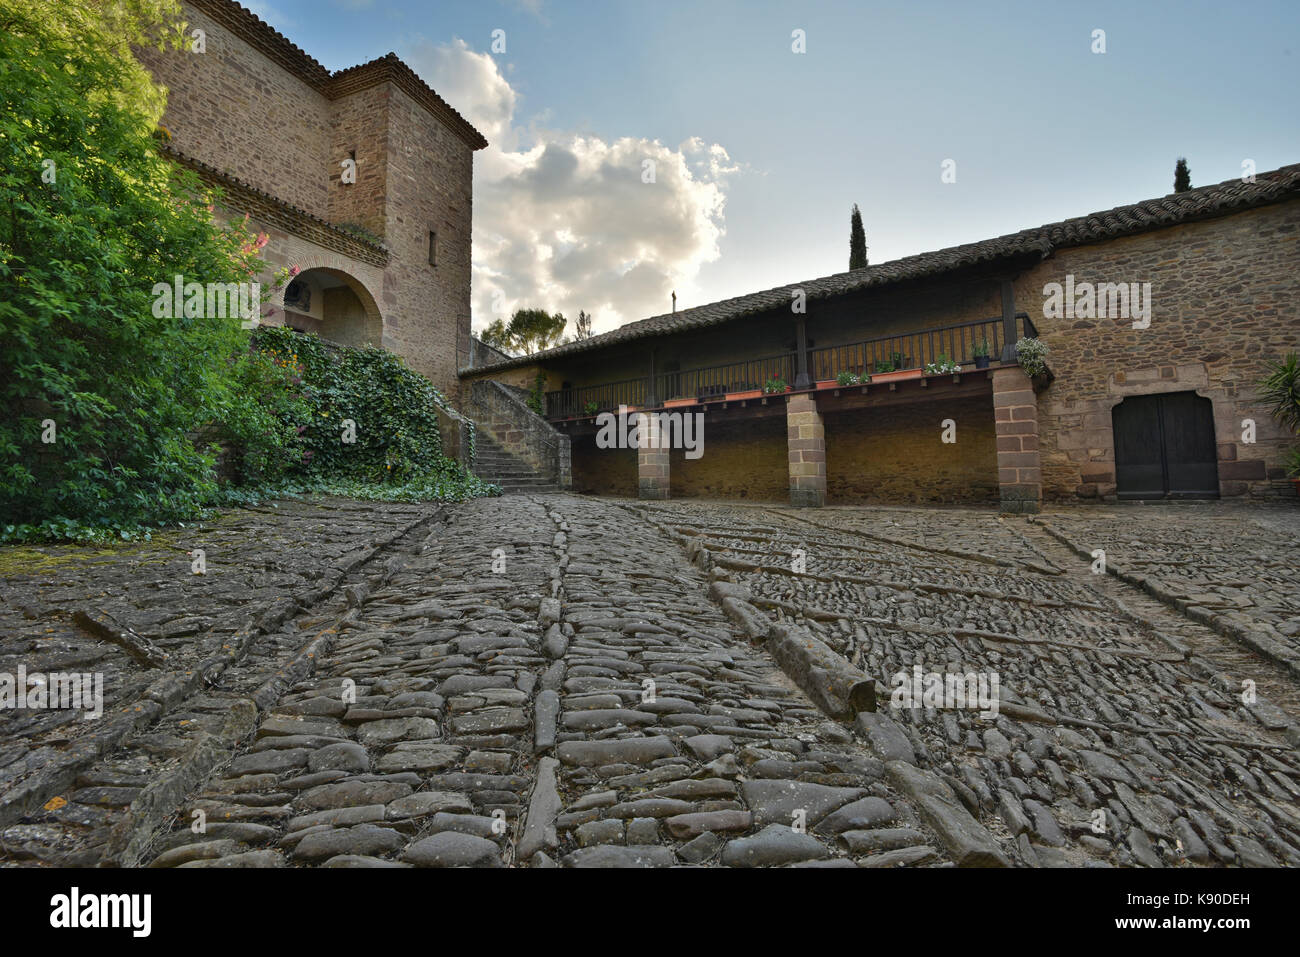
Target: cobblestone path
{"type": "Point", "coordinates": [563, 681]}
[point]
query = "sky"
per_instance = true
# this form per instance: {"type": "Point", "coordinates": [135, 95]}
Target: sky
{"type": "Point", "coordinates": [757, 152]}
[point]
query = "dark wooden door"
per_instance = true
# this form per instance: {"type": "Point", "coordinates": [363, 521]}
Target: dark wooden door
{"type": "Point", "coordinates": [1164, 447]}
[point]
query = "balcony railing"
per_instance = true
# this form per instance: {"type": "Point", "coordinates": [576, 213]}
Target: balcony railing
{"type": "Point", "coordinates": [713, 382]}
{"type": "Point", "coordinates": [911, 350]}
{"type": "Point", "coordinates": [567, 403]}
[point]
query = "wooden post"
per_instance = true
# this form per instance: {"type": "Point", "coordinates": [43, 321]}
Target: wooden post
{"type": "Point", "coordinates": [801, 380]}
{"type": "Point", "coordinates": [1009, 336]}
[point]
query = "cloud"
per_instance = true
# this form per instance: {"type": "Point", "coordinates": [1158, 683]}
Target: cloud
{"type": "Point", "coordinates": [565, 221]}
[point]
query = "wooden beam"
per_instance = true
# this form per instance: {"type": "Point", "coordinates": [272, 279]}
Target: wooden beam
{"type": "Point", "coordinates": [1008, 321]}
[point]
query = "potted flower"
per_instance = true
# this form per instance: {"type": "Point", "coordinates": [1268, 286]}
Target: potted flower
{"type": "Point", "coordinates": [591, 408]}
{"type": "Point", "coordinates": [775, 386]}
{"type": "Point", "coordinates": [981, 351]}
{"type": "Point", "coordinates": [852, 378]}
{"type": "Point", "coordinates": [942, 366]}
{"type": "Point", "coordinates": [1032, 355]}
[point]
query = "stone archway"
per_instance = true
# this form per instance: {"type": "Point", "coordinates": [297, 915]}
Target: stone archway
{"type": "Point", "coordinates": [334, 305]}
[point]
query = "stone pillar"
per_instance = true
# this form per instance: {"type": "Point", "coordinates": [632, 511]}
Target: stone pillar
{"type": "Point", "coordinates": [652, 459]}
{"type": "Point", "coordinates": [1015, 415]}
{"type": "Point", "coordinates": [807, 444]}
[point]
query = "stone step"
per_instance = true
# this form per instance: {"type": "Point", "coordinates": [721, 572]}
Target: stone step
{"type": "Point", "coordinates": [532, 482]}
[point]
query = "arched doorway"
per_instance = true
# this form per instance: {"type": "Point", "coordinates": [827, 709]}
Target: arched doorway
{"type": "Point", "coordinates": [334, 306]}
{"type": "Point", "coordinates": [1164, 447]}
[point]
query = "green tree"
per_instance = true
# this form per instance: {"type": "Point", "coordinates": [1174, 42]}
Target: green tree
{"type": "Point", "coordinates": [857, 240]}
{"type": "Point", "coordinates": [100, 399]}
{"type": "Point", "coordinates": [1182, 176]}
{"type": "Point", "coordinates": [532, 330]}
{"type": "Point", "coordinates": [497, 335]}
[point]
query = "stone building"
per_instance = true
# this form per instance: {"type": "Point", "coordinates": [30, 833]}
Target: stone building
{"type": "Point", "coordinates": [1175, 307]}
{"type": "Point", "coordinates": [385, 258]}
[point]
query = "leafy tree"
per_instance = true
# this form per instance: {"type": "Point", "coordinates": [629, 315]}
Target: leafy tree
{"type": "Point", "coordinates": [582, 326]}
{"type": "Point", "coordinates": [1182, 176]}
{"type": "Point", "coordinates": [92, 216]}
{"type": "Point", "coordinates": [497, 335]}
{"type": "Point", "coordinates": [857, 240]}
{"type": "Point", "coordinates": [532, 330]}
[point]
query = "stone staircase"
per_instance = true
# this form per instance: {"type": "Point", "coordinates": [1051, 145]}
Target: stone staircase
{"type": "Point", "coordinates": [492, 463]}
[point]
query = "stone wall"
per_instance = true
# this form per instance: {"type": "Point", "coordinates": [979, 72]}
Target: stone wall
{"type": "Point", "coordinates": [1225, 296]}
{"type": "Point", "coordinates": [482, 354]}
{"type": "Point", "coordinates": [603, 471]}
{"type": "Point", "coordinates": [896, 454]}
{"type": "Point", "coordinates": [429, 189]}
{"type": "Point", "coordinates": [359, 129]}
{"type": "Point", "coordinates": [742, 459]}
{"type": "Point", "coordinates": [236, 109]}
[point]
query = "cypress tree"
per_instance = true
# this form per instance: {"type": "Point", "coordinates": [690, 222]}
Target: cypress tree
{"type": "Point", "coordinates": [1182, 176]}
{"type": "Point", "coordinates": [857, 240]}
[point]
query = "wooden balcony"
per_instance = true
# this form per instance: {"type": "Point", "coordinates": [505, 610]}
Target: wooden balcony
{"type": "Point", "coordinates": [745, 379]}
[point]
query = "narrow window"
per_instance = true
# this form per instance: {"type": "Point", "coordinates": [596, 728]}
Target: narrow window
{"type": "Point", "coordinates": [433, 248]}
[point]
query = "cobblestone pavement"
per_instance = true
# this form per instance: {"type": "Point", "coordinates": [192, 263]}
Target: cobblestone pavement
{"type": "Point", "coordinates": [563, 681]}
{"type": "Point", "coordinates": [1234, 570]}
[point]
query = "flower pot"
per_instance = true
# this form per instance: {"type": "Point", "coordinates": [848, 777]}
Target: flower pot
{"type": "Point", "coordinates": [747, 394]}
{"type": "Point", "coordinates": [981, 362]}
{"type": "Point", "coordinates": [677, 403]}
{"type": "Point", "coordinates": [895, 376]}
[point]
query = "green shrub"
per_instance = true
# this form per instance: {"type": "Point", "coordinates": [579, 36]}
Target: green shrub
{"type": "Point", "coordinates": [95, 217]}
{"type": "Point", "coordinates": [774, 386]}
{"type": "Point", "coordinates": [392, 411]}
{"type": "Point", "coordinates": [1281, 390]}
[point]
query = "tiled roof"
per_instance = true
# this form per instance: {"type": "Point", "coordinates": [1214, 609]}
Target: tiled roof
{"type": "Point", "coordinates": [258, 33]}
{"type": "Point", "coordinates": [1172, 210]}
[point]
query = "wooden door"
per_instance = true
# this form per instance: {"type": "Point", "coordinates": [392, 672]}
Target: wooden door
{"type": "Point", "coordinates": [1164, 447]}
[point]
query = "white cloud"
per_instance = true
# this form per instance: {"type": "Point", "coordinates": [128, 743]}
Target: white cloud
{"type": "Point", "coordinates": [564, 221]}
